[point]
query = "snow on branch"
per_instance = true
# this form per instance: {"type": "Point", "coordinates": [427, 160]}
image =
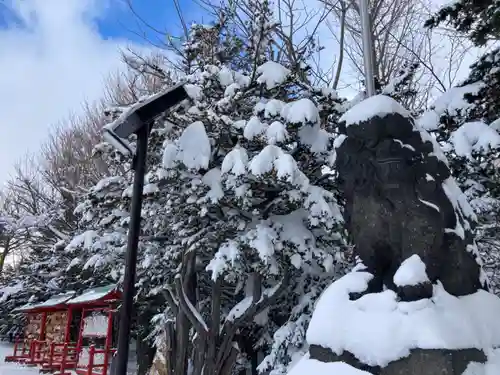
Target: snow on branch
{"type": "Point", "coordinates": [474, 136]}
{"type": "Point", "coordinates": [272, 74]}
{"type": "Point", "coordinates": [260, 300]}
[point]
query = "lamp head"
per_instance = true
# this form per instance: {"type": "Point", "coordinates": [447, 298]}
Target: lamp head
{"type": "Point", "coordinates": [141, 114]}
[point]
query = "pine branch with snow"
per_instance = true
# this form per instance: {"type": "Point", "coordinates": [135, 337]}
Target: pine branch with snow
{"type": "Point", "coordinates": [463, 121]}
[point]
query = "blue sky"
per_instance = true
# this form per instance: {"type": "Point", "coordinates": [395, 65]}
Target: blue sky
{"type": "Point", "coordinates": [121, 21]}
{"type": "Point", "coordinates": [118, 20]}
{"type": "Point", "coordinates": [57, 54]}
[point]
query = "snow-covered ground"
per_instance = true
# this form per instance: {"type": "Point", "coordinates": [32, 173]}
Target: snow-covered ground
{"type": "Point", "coordinates": [379, 329]}
{"type": "Point", "coordinates": [16, 369]}
{"type": "Point", "coordinates": [13, 368]}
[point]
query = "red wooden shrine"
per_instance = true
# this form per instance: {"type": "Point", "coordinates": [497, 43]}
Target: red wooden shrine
{"type": "Point", "coordinates": [45, 322]}
{"type": "Point", "coordinates": [93, 349]}
{"type": "Point", "coordinates": [94, 346]}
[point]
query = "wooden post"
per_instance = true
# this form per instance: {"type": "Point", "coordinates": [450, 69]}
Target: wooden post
{"type": "Point", "coordinates": [32, 350]}
{"type": "Point", "coordinates": [27, 347]}
{"type": "Point", "coordinates": [37, 352]}
{"type": "Point", "coordinates": [26, 342]}
{"type": "Point", "coordinates": [43, 325]}
{"type": "Point", "coordinates": [109, 339]}
{"type": "Point", "coordinates": [51, 353]}
{"type": "Point", "coordinates": [24, 346]}
{"type": "Point", "coordinates": [80, 335]}
{"type": "Point", "coordinates": [63, 358]}
{"type": "Point", "coordinates": [91, 359]}
{"type": "Point", "coordinates": [69, 317]}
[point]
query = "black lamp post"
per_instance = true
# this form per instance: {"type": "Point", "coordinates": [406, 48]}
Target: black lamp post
{"type": "Point", "coordinates": [139, 120]}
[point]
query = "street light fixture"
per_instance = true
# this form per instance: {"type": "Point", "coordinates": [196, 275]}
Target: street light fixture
{"type": "Point", "coordinates": [137, 120]}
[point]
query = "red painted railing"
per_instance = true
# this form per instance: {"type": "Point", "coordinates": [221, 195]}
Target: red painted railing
{"type": "Point", "coordinates": [38, 353]}
{"type": "Point", "coordinates": [92, 367]}
{"type": "Point", "coordinates": [22, 349]}
{"type": "Point", "coordinates": [61, 355]}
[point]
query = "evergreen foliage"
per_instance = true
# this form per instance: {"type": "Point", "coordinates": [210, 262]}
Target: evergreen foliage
{"type": "Point", "coordinates": [242, 224]}
{"type": "Point", "coordinates": [478, 19]}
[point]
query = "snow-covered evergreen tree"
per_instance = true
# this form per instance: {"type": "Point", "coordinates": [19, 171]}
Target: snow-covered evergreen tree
{"type": "Point", "coordinates": [464, 122]}
{"type": "Point", "coordinates": [241, 227]}
{"type": "Point", "coordinates": [479, 20]}
{"type": "Point", "coordinates": [249, 154]}
{"type": "Point", "coordinates": [34, 279]}
{"type": "Point", "coordinates": [239, 219]}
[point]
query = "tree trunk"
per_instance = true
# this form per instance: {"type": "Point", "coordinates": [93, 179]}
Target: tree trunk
{"type": "Point", "coordinates": [183, 324]}
{"type": "Point", "coordinates": [145, 355]}
{"type": "Point", "coordinates": [145, 350]}
{"type": "Point", "coordinates": [4, 254]}
{"type": "Point", "coordinates": [341, 44]}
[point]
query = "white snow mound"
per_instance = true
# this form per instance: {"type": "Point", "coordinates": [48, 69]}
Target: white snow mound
{"type": "Point", "coordinates": [307, 366]}
{"type": "Point", "coordinates": [378, 329]}
{"type": "Point", "coordinates": [411, 272]}
{"type": "Point", "coordinates": [378, 105]}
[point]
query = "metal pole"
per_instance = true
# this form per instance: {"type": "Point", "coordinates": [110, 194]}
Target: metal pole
{"type": "Point", "coordinates": [366, 34]}
{"type": "Point", "coordinates": [131, 256]}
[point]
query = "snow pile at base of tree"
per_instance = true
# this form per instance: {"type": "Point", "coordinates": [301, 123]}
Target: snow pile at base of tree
{"type": "Point", "coordinates": [378, 105]}
{"type": "Point", "coordinates": [474, 136]}
{"type": "Point", "coordinates": [379, 329]}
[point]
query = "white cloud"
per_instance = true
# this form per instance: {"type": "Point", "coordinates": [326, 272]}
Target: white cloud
{"type": "Point", "coordinates": [57, 60]}
{"type": "Point", "coordinates": [48, 68]}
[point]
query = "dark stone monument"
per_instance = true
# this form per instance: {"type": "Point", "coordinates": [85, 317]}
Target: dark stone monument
{"type": "Point", "coordinates": [401, 201]}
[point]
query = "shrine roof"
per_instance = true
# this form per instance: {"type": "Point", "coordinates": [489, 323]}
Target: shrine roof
{"type": "Point", "coordinates": [94, 296]}
{"type": "Point", "coordinates": [99, 294]}
{"type": "Point", "coordinates": [54, 302]}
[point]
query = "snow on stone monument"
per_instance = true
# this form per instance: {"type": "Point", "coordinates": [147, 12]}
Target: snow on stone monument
{"type": "Point", "coordinates": [417, 303]}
